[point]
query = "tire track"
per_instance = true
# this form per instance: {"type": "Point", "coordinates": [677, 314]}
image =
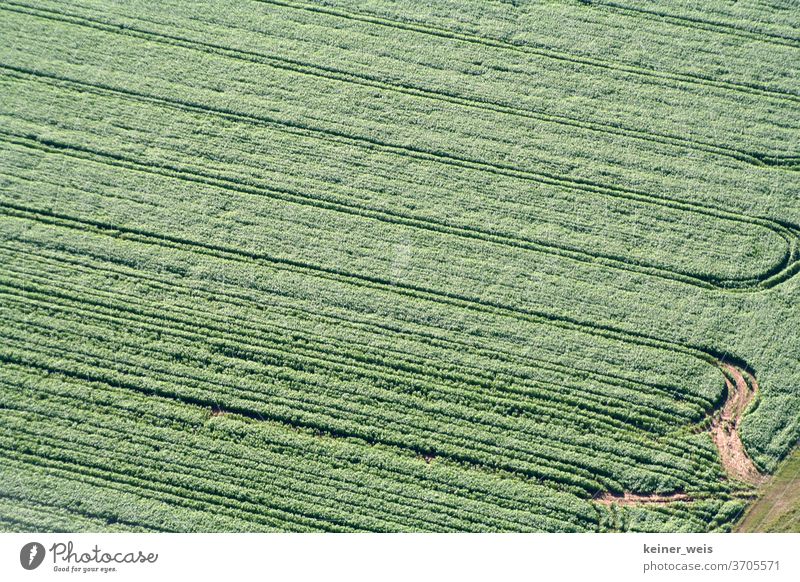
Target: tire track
{"type": "Point", "coordinates": [264, 333]}
{"type": "Point", "coordinates": [577, 373]}
{"type": "Point", "coordinates": [561, 462]}
{"type": "Point", "coordinates": [741, 389]}
{"type": "Point", "coordinates": [539, 465]}
{"type": "Point", "coordinates": [424, 481]}
{"type": "Point", "coordinates": [438, 297]}
{"type": "Point", "coordinates": [682, 78]}
{"type": "Point", "coordinates": [696, 23]}
{"type": "Point", "coordinates": [268, 354]}
{"type": "Point", "coordinates": [108, 477]}
{"type": "Point", "coordinates": [542, 408]}
{"type": "Point", "coordinates": [753, 158]}
{"type": "Point", "coordinates": [409, 510]}
{"type": "Point", "coordinates": [549, 455]}
{"type": "Point", "coordinates": [632, 337]}
{"type": "Point", "coordinates": [367, 142]}
{"type": "Point", "coordinates": [655, 389]}
{"type": "Point", "coordinates": [241, 412]}
{"type": "Point", "coordinates": [414, 291]}
{"type": "Point", "coordinates": [781, 271]}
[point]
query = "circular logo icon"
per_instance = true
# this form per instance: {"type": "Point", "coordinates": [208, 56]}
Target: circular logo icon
{"type": "Point", "coordinates": [31, 555]}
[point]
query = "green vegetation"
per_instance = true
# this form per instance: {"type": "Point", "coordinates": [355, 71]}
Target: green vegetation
{"type": "Point", "coordinates": [778, 506]}
{"type": "Point", "coordinates": [383, 266]}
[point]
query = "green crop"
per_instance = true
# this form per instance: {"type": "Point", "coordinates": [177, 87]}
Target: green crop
{"type": "Point", "coordinates": [382, 266]}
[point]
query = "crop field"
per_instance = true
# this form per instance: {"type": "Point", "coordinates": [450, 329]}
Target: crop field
{"type": "Point", "coordinates": [339, 265]}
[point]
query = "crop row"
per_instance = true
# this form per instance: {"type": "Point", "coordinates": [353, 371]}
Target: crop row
{"type": "Point", "coordinates": [267, 382]}
{"type": "Point", "coordinates": [743, 252]}
{"type": "Point", "coordinates": [296, 119]}
{"type": "Point", "coordinates": [258, 471]}
{"type": "Point", "coordinates": [593, 346]}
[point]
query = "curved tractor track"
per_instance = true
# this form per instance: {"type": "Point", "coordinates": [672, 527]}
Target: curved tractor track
{"type": "Point", "coordinates": [782, 270]}
{"type": "Point", "coordinates": [741, 388]}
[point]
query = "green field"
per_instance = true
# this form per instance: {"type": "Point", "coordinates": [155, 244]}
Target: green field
{"type": "Point", "coordinates": [466, 265]}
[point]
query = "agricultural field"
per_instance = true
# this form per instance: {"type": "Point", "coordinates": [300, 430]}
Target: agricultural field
{"type": "Point", "coordinates": [465, 265]}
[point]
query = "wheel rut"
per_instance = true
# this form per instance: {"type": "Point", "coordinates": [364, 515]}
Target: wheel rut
{"type": "Point", "coordinates": [741, 388]}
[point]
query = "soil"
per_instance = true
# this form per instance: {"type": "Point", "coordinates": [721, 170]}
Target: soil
{"type": "Point", "coordinates": [636, 499]}
{"type": "Point", "coordinates": [724, 431]}
{"type": "Point", "coordinates": [725, 426]}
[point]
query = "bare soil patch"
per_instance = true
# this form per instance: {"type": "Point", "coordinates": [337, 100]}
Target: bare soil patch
{"type": "Point", "coordinates": [636, 499]}
{"type": "Point", "coordinates": [725, 426]}
{"type": "Point", "coordinates": [741, 389]}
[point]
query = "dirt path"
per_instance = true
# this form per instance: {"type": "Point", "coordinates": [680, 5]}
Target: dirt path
{"type": "Point", "coordinates": [724, 431]}
{"type": "Point", "coordinates": [636, 499]}
{"type": "Point", "coordinates": [725, 426]}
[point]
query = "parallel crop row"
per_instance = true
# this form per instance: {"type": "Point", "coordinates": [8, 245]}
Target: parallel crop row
{"type": "Point", "coordinates": [769, 259]}
{"type": "Point", "coordinates": [307, 481]}
{"type": "Point", "coordinates": [297, 266]}
{"type": "Point", "coordinates": [296, 382]}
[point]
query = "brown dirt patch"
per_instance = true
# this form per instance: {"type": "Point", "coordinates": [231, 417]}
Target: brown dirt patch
{"type": "Point", "coordinates": [725, 426]}
{"type": "Point", "coordinates": [636, 499]}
